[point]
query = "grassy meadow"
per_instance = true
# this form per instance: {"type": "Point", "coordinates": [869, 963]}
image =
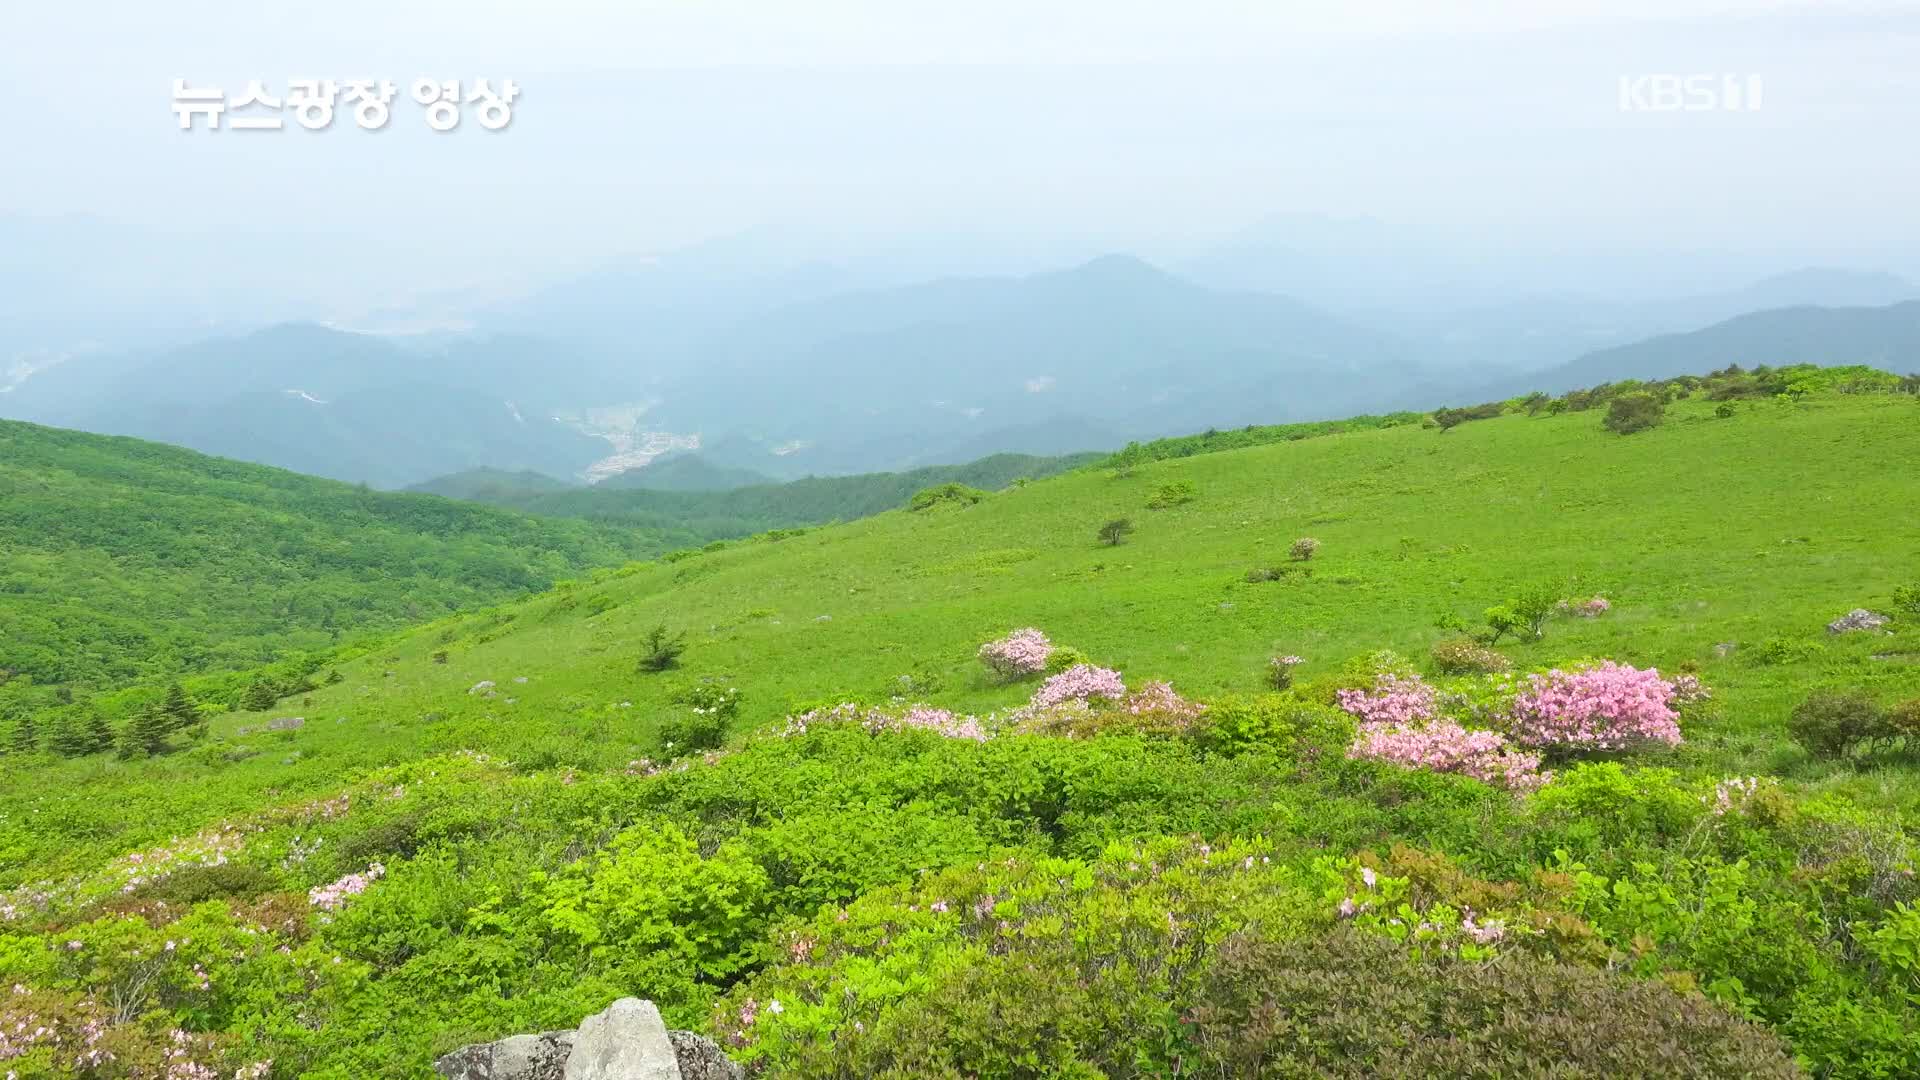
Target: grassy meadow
{"type": "Point", "coordinates": [1724, 544]}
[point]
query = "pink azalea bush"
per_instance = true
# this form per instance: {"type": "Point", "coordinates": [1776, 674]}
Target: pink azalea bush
{"type": "Point", "coordinates": [875, 720]}
{"type": "Point", "coordinates": [1018, 655]}
{"type": "Point", "coordinates": [333, 896]}
{"type": "Point", "coordinates": [1394, 699]}
{"type": "Point", "coordinates": [1157, 698]}
{"type": "Point", "coordinates": [1606, 707]}
{"type": "Point", "coordinates": [1444, 746]}
{"type": "Point", "coordinates": [1081, 682]}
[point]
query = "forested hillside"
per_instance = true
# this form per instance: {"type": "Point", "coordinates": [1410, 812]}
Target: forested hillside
{"type": "Point", "coordinates": [743, 511]}
{"type": "Point", "coordinates": [129, 560]}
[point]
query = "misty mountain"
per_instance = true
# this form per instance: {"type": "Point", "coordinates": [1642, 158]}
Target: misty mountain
{"type": "Point", "coordinates": [684, 472]}
{"type": "Point", "coordinates": [1884, 337]}
{"type": "Point", "coordinates": [910, 376]}
{"type": "Point", "coordinates": [340, 405]}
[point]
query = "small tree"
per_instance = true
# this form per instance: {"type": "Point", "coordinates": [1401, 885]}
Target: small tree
{"type": "Point", "coordinates": [1525, 614]}
{"type": "Point", "coordinates": [260, 696]}
{"type": "Point", "coordinates": [660, 649]}
{"type": "Point", "coordinates": [180, 710]}
{"type": "Point", "coordinates": [1115, 532]}
{"type": "Point", "coordinates": [1630, 413]}
{"type": "Point", "coordinates": [1303, 549]}
{"type": "Point", "coordinates": [25, 738]}
{"type": "Point", "coordinates": [145, 734]}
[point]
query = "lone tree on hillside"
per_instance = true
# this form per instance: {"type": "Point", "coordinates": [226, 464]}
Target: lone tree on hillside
{"type": "Point", "coordinates": [1115, 532]}
{"type": "Point", "coordinates": [660, 649]}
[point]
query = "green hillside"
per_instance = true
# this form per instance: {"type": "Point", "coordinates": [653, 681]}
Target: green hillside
{"type": "Point", "coordinates": [469, 835]}
{"type": "Point", "coordinates": [745, 510]}
{"type": "Point", "coordinates": [129, 560]}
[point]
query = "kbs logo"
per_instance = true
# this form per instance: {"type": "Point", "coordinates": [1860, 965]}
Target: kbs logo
{"type": "Point", "coordinates": [1689, 93]}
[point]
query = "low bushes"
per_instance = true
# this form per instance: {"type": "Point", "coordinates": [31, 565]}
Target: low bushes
{"type": "Point", "coordinates": [1465, 656]}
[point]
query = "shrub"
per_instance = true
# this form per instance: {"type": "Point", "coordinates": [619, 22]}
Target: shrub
{"type": "Point", "coordinates": [1115, 532]}
{"type": "Point", "coordinates": [711, 710]}
{"type": "Point", "coordinates": [1465, 656]}
{"type": "Point", "coordinates": [1021, 653]}
{"type": "Point", "coordinates": [660, 650]}
{"type": "Point", "coordinates": [955, 493]}
{"type": "Point", "coordinates": [1906, 599]}
{"type": "Point", "coordinates": [1303, 549]}
{"type": "Point", "coordinates": [1440, 745]}
{"type": "Point", "coordinates": [1607, 707]}
{"type": "Point", "coordinates": [1724, 410]}
{"type": "Point", "coordinates": [1903, 722]}
{"type": "Point", "coordinates": [1352, 1005]}
{"type": "Point", "coordinates": [1081, 682]}
{"type": "Point", "coordinates": [1631, 413]}
{"type": "Point", "coordinates": [1271, 721]}
{"type": "Point", "coordinates": [1776, 650]}
{"type": "Point", "coordinates": [1280, 671]}
{"type": "Point", "coordinates": [1524, 615]}
{"type": "Point", "coordinates": [1064, 657]}
{"type": "Point", "coordinates": [1394, 699]}
{"type": "Point", "coordinates": [1174, 494]}
{"type": "Point", "coordinates": [1828, 723]}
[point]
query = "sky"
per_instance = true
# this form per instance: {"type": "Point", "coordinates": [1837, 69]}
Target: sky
{"type": "Point", "coordinates": [992, 133]}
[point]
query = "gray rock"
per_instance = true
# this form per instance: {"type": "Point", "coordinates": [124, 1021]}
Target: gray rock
{"type": "Point", "coordinates": [1725, 649]}
{"type": "Point", "coordinates": [1857, 619]}
{"type": "Point", "coordinates": [700, 1059]}
{"type": "Point", "coordinates": [484, 686]}
{"type": "Point", "coordinates": [522, 1057]}
{"type": "Point", "coordinates": [287, 723]}
{"type": "Point", "coordinates": [626, 1042]}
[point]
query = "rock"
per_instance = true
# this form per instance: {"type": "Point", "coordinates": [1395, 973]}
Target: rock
{"type": "Point", "coordinates": [287, 723]}
{"type": "Point", "coordinates": [700, 1059]}
{"type": "Point", "coordinates": [484, 686]}
{"type": "Point", "coordinates": [1725, 649]}
{"type": "Point", "coordinates": [626, 1042]}
{"type": "Point", "coordinates": [520, 678]}
{"type": "Point", "coordinates": [1857, 619]}
{"type": "Point", "coordinates": [522, 1057]}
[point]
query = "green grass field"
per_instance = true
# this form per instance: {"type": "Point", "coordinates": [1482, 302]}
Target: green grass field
{"type": "Point", "coordinates": [1724, 544]}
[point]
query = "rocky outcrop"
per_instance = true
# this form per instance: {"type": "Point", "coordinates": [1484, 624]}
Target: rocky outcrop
{"type": "Point", "coordinates": [1856, 620]}
{"type": "Point", "coordinates": [628, 1041]}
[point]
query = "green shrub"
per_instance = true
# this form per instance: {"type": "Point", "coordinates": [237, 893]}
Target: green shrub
{"type": "Point", "coordinates": [1829, 723]}
{"type": "Point", "coordinates": [1906, 599]}
{"type": "Point", "coordinates": [710, 711]}
{"type": "Point", "coordinates": [1168, 495]}
{"type": "Point", "coordinates": [1523, 616]}
{"type": "Point", "coordinates": [1278, 722]}
{"type": "Point", "coordinates": [956, 494]}
{"type": "Point", "coordinates": [1776, 650]}
{"type": "Point", "coordinates": [1065, 656]}
{"type": "Point", "coordinates": [1465, 656]}
{"type": "Point", "coordinates": [1353, 1005]}
{"type": "Point", "coordinates": [1115, 532]}
{"type": "Point", "coordinates": [1631, 413]}
{"type": "Point", "coordinates": [1724, 410]}
{"type": "Point", "coordinates": [660, 649]}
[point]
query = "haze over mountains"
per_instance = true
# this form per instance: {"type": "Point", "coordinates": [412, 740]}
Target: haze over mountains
{"type": "Point", "coordinates": [766, 365]}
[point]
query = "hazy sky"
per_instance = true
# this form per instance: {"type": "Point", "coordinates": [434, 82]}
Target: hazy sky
{"type": "Point", "coordinates": [1028, 124]}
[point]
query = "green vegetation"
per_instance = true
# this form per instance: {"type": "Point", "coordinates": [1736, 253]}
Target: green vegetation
{"type": "Point", "coordinates": [443, 852]}
{"type": "Point", "coordinates": [129, 561]}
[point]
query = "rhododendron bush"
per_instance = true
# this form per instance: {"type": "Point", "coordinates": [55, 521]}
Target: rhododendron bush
{"type": "Point", "coordinates": [1394, 699]}
{"type": "Point", "coordinates": [1019, 654]}
{"type": "Point", "coordinates": [1444, 746]}
{"type": "Point", "coordinates": [1606, 707]}
{"type": "Point", "coordinates": [1082, 682]}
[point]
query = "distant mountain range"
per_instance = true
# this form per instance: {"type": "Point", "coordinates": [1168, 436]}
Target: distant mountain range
{"type": "Point", "coordinates": [779, 376]}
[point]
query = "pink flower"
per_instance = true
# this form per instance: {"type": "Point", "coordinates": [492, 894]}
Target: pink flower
{"type": "Point", "coordinates": [1394, 699]}
{"type": "Point", "coordinates": [1444, 746]}
{"type": "Point", "coordinates": [1607, 707]}
{"type": "Point", "coordinates": [1019, 654]}
{"type": "Point", "coordinates": [1081, 682]}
